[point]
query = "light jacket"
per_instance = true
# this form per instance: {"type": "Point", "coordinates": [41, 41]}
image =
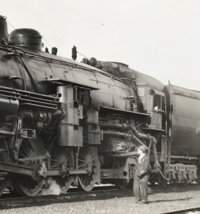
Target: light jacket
{"type": "Point", "coordinates": [142, 167]}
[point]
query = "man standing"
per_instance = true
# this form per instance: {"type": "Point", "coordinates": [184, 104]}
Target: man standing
{"type": "Point", "coordinates": [140, 185]}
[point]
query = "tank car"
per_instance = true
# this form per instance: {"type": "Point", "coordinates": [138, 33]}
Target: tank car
{"type": "Point", "coordinates": [66, 120]}
{"type": "Point", "coordinates": [183, 120]}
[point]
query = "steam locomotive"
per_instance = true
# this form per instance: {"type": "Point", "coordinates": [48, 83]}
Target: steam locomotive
{"type": "Point", "coordinates": [80, 123]}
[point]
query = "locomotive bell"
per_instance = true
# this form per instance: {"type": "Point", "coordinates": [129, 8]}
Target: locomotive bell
{"type": "Point", "coordinates": [26, 38]}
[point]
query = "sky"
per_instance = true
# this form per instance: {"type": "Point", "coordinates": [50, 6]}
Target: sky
{"type": "Point", "coordinates": [160, 38]}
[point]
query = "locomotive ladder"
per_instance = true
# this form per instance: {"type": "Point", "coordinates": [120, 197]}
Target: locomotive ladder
{"type": "Point", "coordinates": [167, 160]}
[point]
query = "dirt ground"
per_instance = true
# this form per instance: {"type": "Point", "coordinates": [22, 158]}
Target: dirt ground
{"type": "Point", "coordinates": [158, 203]}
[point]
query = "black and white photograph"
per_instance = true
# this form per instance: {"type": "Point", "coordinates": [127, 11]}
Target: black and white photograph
{"type": "Point", "coordinates": [100, 107]}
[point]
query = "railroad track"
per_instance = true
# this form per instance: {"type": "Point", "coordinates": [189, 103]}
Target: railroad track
{"type": "Point", "coordinates": [9, 201]}
{"type": "Point", "coordinates": [104, 192]}
{"type": "Point", "coordinates": [192, 210]}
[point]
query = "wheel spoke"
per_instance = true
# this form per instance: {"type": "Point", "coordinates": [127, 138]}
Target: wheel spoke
{"type": "Point", "coordinates": [83, 155]}
{"type": "Point", "coordinates": [59, 158]}
{"type": "Point", "coordinates": [22, 155]}
{"type": "Point", "coordinates": [81, 165]}
{"type": "Point", "coordinates": [4, 157]}
{"type": "Point", "coordinates": [84, 152]}
{"type": "Point", "coordinates": [26, 149]}
{"type": "Point", "coordinates": [87, 182]}
{"type": "Point", "coordinates": [25, 184]}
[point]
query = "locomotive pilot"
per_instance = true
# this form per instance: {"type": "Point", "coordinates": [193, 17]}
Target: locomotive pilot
{"type": "Point", "coordinates": [140, 185]}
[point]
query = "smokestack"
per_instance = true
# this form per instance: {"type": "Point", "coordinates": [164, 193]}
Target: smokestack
{"type": "Point", "coordinates": [3, 29]}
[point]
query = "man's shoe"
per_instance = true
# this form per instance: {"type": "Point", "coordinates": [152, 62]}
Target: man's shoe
{"type": "Point", "coordinates": [137, 201]}
{"type": "Point", "coordinates": [144, 202]}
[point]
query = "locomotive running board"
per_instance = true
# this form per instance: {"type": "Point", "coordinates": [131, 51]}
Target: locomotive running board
{"type": "Point", "coordinates": [59, 81]}
{"type": "Point", "coordinates": [154, 130]}
{"type": "Point", "coordinates": [125, 111]}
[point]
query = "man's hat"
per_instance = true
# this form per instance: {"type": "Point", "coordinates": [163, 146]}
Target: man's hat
{"type": "Point", "coordinates": [144, 148]}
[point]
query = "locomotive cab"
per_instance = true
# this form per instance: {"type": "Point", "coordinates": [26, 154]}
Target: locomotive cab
{"type": "Point", "coordinates": [153, 103]}
{"type": "Point", "coordinates": [157, 108]}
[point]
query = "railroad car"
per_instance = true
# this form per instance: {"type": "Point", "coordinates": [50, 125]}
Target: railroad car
{"type": "Point", "coordinates": [80, 123]}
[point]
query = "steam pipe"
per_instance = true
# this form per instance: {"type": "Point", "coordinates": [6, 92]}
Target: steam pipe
{"type": "Point", "coordinates": [184, 157]}
{"type": "Point", "coordinates": [137, 139]}
{"type": "Point", "coordinates": [143, 136]}
{"type": "Point", "coordinates": [156, 163]}
{"type": "Point", "coordinates": [123, 155]}
{"type": "Point", "coordinates": [119, 134]}
{"type": "Point", "coordinates": [114, 126]}
{"type": "Point", "coordinates": [152, 140]}
{"type": "Point", "coordinates": [134, 134]}
{"type": "Point", "coordinates": [139, 135]}
{"type": "Point", "coordinates": [58, 114]}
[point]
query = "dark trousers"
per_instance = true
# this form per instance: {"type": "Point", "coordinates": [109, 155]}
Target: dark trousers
{"type": "Point", "coordinates": [140, 188]}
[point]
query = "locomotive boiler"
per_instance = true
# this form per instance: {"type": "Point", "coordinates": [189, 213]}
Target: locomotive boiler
{"type": "Point", "coordinates": [80, 123]}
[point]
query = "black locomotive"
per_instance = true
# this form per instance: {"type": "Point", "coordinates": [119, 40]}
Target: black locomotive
{"type": "Point", "coordinates": [81, 123]}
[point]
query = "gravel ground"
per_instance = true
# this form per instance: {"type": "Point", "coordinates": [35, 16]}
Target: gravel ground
{"type": "Point", "coordinates": [158, 203]}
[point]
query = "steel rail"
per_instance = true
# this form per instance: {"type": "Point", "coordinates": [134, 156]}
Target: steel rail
{"type": "Point", "coordinates": [183, 211]}
{"type": "Point", "coordinates": [97, 193]}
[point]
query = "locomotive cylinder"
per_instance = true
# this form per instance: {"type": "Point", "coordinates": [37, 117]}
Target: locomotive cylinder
{"type": "Point", "coordinates": [8, 106]}
{"type": "Point", "coordinates": [36, 115]}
